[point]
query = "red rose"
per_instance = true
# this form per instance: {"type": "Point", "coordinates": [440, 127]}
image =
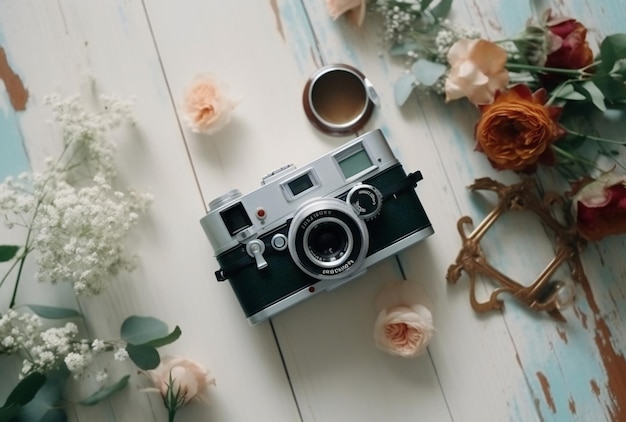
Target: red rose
{"type": "Point", "coordinates": [571, 50]}
{"type": "Point", "coordinates": [599, 207]}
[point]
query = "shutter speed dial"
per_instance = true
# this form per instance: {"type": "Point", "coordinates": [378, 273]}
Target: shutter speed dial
{"type": "Point", "coordinates": [365, 200]}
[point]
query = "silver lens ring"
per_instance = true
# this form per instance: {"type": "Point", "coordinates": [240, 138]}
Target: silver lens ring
{"type": "Point", "coordinates": [329, 248]}
{"type": "Point", "coordinates": [333, 215]}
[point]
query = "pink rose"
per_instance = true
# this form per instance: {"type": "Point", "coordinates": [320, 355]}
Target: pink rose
{"type": "Point", "coordinates": [599, 206]}
{"type": "Point", "coordinates": [403, 327]}
{"type": "Point", "coordinates": [477, 71]}
{"type": "Point", "coordinates": [189, 379]}
{"type": "Point", "coordinates": [207, 105]}
{"type": "Point", "coordinates": [355, 10]}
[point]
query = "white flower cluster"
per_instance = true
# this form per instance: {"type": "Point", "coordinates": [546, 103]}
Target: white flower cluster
{"type": "Point", "coordinates": [448, 35]}
{"type": "Point", "coordinates": [45, 350]}
{"type": "Point", "coordinates": [80, 234]}
{"type": "Point", "coordinates": [398, 17]}
{"type": "Point", "coordinates": [77, 226]}
{"type": "Point", "coordinates": [84, 131]}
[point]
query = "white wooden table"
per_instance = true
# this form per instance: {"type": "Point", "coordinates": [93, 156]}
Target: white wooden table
{"type": "Point", "coordinates": [315, 361]}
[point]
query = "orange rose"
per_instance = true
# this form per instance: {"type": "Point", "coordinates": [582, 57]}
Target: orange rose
{"type": "Point", "coordinates": [515, 131]}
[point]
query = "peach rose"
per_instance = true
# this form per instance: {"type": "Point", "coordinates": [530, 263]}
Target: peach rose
{"type": "Point", "coordinates": [207, 105]}
{"type": "Point", "coordinates": [354, 10]}
{"type": "Point", "coordinates": [189, 379]}
{"type": "Point", "coordinates": [403, 326]}
{"type": "Point", "coordinates": [477, 71]}
{"type": "Point", "coordinates": [516, 131]}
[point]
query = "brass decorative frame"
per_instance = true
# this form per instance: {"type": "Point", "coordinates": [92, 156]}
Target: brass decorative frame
{"type": "Point", "coordinates": [543, 294]}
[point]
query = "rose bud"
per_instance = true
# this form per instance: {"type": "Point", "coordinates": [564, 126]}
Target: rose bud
{"type": "Point", "coordinates": [571, 50]}
{"type": "Point", "coordinates": [207, 106]}
{"type": "Point", "coordinates": [403, 326]}
{"type": "Point", "coordinates": [183, 377]}
{"type": "Point", "coordinates": [599, 206]}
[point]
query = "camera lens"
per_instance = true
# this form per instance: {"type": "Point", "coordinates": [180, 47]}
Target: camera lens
{"type": "Point", "coordinates": [328, 241]}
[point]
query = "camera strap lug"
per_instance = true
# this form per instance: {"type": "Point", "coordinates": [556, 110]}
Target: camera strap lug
{"type": "Point", "coordinates": [409, 182]}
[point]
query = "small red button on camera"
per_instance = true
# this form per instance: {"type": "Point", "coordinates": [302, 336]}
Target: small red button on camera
{"type": "Point", "coordinates": [260, 213]}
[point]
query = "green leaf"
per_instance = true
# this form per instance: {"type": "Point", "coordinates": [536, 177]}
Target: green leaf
{"type": "Point", "coordinates": [401, 49]}
{"type": "Point", "coordinates": [612, 89]}
{"type": "Point", "coordinates": [612, 49]}
{"type": "Point", "coordinates": [170, 338]}
{"type": "Point", "coordinates": [105, 392]}
{"type": "Point", "coordinates": [25, 390]}
{"type": "Point", "coordinates": [53, 312]}
{"type": "Point", "coordinates": [442, 9]}
{"type": "Point", "coordinates": [45, 405]}
{"type": "Point", "coordinates": [54, 415]}
{"type": "Point", "coordinates": [595, 95]}
{"type": "Point", "coordinates": [8, 252]}
{"type": "Point", "coordinates": [140, 330]}
{"type": "Point", "coordinates": [8, 413]}
{"type": "Point", "coordinates": [402, 88]}
{"type": "Point", "coordinates": [145, 357]}
{"type": "Point", "coordinates": [424, 4]}
{"type": "Point", "coordinates": [427, 72]}
{"type": "Point", "coordinates": [567, 92]}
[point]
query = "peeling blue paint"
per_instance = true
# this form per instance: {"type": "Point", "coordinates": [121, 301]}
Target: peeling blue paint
{"type": "Point", "coordinates": [13, 156]}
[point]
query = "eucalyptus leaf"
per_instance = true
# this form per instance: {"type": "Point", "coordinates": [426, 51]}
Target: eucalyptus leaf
{"type": "Point", "coordinates": [612, 89]}
{"type": "Point", "coordinates": [596, 96]}
{"type": "Point", "coordinates": [401, 49]}
{"type": "Point", "coordinates": [424, 4]}
{"type": "Point", "coordinates": [105, 392]}
{"type": "Point", "coordinates": [140, 330]}
{"type": "Point", "coordinates": [427, 72]}
{"type": "Point", "coordinates": [25, 390]}
{"type": "Point", "coordinates": [8, 252]}
{"type": "Point", "coordinates": [402, 88]}
{"type": "Point", "coordinates": [567, 92]}
{"type": "Point", "coordinates": [8, 413]}
{"type": "Point", "coordinates": [44, 407]}
{"type": "Point", "coordinates": [170, 338]}
{"type": "Point", "coordinates": [144, 356]}
{"type": "Point", "coordinates": [612, 49]}
{"type": "Point", "coordinates": [54, 415]}
{"type": "Point", "coordinates": [619, 69]}
{"type": "Point", "coordinates": [53, 312]}
{"type": "Point", "coordinates": [442, 9]}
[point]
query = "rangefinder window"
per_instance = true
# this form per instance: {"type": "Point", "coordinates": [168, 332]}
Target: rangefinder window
{"type": "Point", "coordinates": [354, 162]}
{"type": "Point", "coordinates": [236, 218]}
{"type": "Point", "coordinates": [300, 184]}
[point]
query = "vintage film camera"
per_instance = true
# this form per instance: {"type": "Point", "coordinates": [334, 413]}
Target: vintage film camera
{"type": "Point", "coordinates": [310, 229]}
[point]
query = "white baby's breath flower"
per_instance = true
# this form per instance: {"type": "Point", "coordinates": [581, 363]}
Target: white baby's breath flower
{"type": "Point", "coordinates": [101, 376]}
{"type": "Point", "coordinates": [121, 354]}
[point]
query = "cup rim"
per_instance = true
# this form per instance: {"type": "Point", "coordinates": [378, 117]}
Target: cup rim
{"type": "Point", "coordinates": [329, 128]}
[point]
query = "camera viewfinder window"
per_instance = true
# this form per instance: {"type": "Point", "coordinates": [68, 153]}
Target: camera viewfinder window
{"type": "Point", "coordinates": [300, 184]}
{"type": "Point", "coordinates": [355, 163]}
{"type": "Point", "coordinates": [236, 218]}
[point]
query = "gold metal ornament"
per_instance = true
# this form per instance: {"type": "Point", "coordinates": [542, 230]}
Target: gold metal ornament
{"type": "Point", "coordinates": [543, 294]}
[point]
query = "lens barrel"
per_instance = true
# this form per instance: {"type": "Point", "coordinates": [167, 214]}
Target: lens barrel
{"type": "Point", "coordinates": [327, 240]}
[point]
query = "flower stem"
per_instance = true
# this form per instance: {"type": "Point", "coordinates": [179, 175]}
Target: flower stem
{"type": "Point", "coordinates": [532, 68]}
{"type": "Point", "coordinates": [593, 138]}
{"type": "Point", "coordinates": [571, 156]}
